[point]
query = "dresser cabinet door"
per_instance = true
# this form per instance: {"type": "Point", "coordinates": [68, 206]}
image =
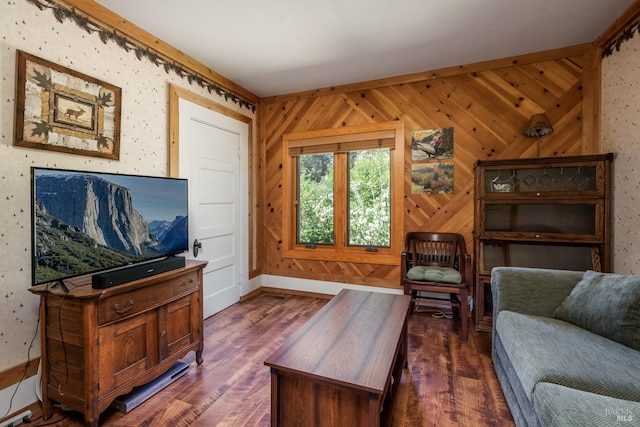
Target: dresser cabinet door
{"type": "Point", "coordinates": [177, 325]}
{"type": "Point", "coordinates": [127, 349]}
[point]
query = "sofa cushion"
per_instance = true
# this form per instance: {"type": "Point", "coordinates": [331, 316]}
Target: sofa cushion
{"type": "Point", "coordinates": [435, 274]}
{"type": "Point", "coordinates": [607, 304]}
{"type": "Point", "coordinates": [515, 395]}
{"type": "Point", "coordinates": [559, 406]}
{"type": "Point", "coordinates": [551, 350]}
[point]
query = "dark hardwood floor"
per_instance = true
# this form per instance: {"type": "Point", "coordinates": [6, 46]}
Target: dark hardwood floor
{"type": "Point", "coordinates": [448, 383]}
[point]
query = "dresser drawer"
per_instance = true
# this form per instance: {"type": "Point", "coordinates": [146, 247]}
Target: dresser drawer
{"type": "Point", "coordinates": [119, 306]}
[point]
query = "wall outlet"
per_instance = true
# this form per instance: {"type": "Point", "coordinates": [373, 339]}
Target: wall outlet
{"type": "Point", "coordinates": [17, 419]}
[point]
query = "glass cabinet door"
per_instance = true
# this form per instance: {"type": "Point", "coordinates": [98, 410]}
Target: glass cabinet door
{"type": "Point", "coordinates": [560, 257]}
{"type": "Point", "coordinates": [582, 179]}
{"type": "Point", "coordinates": [534, 221]}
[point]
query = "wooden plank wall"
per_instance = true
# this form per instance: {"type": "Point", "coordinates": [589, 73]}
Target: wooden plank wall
{"type": "Point", "coordinates": [488, 105]}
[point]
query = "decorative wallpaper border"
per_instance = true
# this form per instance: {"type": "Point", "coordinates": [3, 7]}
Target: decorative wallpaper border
{"type": "Point", "coordinates": [62, 14]}
{"type": "Point", "coordinates": [625, 35]}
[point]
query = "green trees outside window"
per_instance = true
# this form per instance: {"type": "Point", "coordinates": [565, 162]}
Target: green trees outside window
{"type": "Point", "coordinates": [369, 198]}
{"type": "Point", "coordinates": [315, 198]}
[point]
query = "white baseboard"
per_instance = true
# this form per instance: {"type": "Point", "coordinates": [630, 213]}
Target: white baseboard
{"type": "Point", "coordinates": [24, 396]}
{"type": "Point", "coordinates": [318, 286]}
{"type": "Point", "coordinates": [251, 285]}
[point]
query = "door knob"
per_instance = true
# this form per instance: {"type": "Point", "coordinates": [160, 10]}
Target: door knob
{"type": "Point", "coordinates": [196, 247]}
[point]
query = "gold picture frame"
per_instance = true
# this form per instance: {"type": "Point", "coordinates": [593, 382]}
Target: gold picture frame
{"type": "Point", "coordinates": [59, 109]}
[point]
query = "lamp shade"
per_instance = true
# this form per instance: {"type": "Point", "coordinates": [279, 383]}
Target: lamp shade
{"type": "Point", "coordinates": [538, 125]}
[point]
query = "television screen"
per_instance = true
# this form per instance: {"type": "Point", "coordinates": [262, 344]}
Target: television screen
{"type": "Point", "coordinates": [85, 222]}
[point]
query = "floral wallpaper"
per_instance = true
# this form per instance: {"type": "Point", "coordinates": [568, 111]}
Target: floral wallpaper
{"type": "Point", "coordinates": [621, 136]}
{"type": "Point", "coordinates": [143, 145]}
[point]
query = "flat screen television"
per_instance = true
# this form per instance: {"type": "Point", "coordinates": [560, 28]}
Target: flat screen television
{"type": "Point", "coordinates": [87, 222]}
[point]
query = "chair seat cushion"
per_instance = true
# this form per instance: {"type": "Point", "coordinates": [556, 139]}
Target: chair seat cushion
{"type": "Point", "coordinates": [434, 274]}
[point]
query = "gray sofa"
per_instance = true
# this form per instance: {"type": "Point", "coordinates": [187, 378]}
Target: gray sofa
{"type": "Point", "coordinates": [566, 346]}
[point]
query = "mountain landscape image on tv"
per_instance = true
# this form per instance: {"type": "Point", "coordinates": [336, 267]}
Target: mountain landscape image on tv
{"type": "Point", "coordinates": [85, 222]}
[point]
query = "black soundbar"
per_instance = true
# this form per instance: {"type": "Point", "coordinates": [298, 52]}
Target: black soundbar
{"type": "Point", "coordinates": [135, 272]}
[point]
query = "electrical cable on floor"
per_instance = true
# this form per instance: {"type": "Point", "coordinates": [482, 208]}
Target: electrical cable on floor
{"type": "Point", "coordinates": [53, 422]}
{"type": "Point", "coordinates": [439, 314]}
{"type": "Point", "coordinates": [436, 313]}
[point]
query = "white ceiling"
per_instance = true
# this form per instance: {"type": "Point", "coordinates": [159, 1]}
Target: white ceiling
{"type": "Point", "coordinates": [273, 47]}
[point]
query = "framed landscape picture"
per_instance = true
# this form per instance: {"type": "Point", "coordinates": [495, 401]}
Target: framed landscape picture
{"type": "Point", "coordinates": [432, 178]}
{"type": "Point", "coordinates": [59, 109]}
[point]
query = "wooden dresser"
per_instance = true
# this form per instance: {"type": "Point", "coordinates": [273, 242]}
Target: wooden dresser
{"type": "Point", "coordinates": [539, 213]}
{"type": "Point", "coordinates": [98, 344]}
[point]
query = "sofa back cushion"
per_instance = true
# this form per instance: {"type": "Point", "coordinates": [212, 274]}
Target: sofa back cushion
{"type": "Point", "coordinates": [607, 304]}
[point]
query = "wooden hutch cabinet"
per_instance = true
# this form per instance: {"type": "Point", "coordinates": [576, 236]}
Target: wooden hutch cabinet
{"type": "Point", "coordinates": [97, 344]}
{"type": "Point", "coordinates": [540, 213]}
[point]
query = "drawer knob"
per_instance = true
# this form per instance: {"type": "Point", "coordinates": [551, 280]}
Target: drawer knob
{"type": "Point", "coordinates": [537, 236]}
{"type": "Point", "coordinates": [119, 310]}
{"type": "Point", "coordinates": [163, 333]}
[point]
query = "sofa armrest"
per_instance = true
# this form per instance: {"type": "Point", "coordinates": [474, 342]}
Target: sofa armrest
{"type": "Point", "coordinates": [533, 291]}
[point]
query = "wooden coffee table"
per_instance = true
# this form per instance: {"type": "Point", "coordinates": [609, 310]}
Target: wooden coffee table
{"type": "Point", "coordinates": [343, 367]}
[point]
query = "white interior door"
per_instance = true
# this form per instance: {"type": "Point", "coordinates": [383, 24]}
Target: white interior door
{"type": "Point", "coordinates": [213, 152]}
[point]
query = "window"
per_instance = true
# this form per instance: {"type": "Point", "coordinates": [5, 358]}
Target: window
{"type": "Point", "coordinates": [369, 207]}
{"type": "Point", "coordinates": [314, 199]}
{"type": "Point", "coordinates": [343, 194]}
